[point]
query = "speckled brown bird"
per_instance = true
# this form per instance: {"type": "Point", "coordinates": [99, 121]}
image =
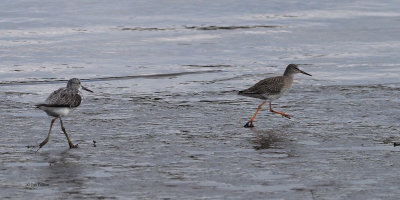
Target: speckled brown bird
{"type": "Point", "coordinates": [271, 89]}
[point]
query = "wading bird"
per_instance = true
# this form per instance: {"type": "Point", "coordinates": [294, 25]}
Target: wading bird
{"type": "Point", "coordinates": [271, 89]}
{"type": "Point", "coordinates": [60, 103]}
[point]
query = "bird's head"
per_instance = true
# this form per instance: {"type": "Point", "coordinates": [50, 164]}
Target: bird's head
{"type": "Point", "coordinates": [292, 69]}
{"type": "Point", "coordinates": [75, 83]}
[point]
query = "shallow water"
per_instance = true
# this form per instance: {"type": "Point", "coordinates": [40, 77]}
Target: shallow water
{"type": "Point", "coordinates": [165, 117]}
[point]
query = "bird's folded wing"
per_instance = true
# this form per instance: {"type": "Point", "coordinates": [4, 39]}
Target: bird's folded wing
{"type": "Point", "coordinates": [63, 97]}
{"type": "Point", "coordinates": [270, 86]}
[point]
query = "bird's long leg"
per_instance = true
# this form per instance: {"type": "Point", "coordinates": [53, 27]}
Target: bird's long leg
{"type": "Point", "coordinates": [66, 135]}
{"type": "Point", "coordinates": [48, 135]}
{"type": "Point", "coordinates": [250, 123]}
{"type": "Point", "coordinates": [277, 112]}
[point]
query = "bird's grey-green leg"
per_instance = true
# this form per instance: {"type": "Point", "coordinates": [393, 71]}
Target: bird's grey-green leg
{"type": "Point", "coordinates": [48, 135]}
{"type": "Point", "coordinates": [66, 135]}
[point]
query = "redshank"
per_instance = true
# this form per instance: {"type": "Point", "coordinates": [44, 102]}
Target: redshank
{"type": "Point", "coordinates": [270, 89]}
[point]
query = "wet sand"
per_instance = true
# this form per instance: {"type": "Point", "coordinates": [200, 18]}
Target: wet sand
{"type": "Point", "coordinates": [166, 118]}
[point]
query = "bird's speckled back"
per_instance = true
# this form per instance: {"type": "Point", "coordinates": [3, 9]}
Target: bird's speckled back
{"type": "Point", "coordinates": [64, 97]}
{"type": "Point", "coordinates": [269, 88]}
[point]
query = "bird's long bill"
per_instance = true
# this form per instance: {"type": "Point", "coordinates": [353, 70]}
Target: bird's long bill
{"type": "Point", "coordinates": [305, 72]}
{"type": "Point", "coordinates": [87, 89]}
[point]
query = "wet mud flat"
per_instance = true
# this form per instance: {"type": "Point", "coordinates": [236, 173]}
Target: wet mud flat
{"type": "Point", "coordinates": [165, 121]}
{"type": "Point", "coordinates": [169, 143]}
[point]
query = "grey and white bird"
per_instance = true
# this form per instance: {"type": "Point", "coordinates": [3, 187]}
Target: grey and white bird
{"type": "Point", "coordinates": [60, 103]}
{"type": "Point", "coordinates": [270, 89]}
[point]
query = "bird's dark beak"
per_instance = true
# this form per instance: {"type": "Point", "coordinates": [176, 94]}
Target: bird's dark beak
{"type": "Point", "coordinates": [305, 72]}
{"type": "Point", "coordinates": [87, 89]}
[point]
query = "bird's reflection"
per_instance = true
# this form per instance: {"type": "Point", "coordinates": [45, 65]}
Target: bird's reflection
{"type": "Point", "coordinates": [64, 173]}
{"type": "Point", "coordinates": [267, 139]}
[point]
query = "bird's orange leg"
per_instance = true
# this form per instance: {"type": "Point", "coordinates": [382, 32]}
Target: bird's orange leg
{"type": "Point", "coordinates": [250, 123]}
{"type": "Point", "coordinates": [277, 112]}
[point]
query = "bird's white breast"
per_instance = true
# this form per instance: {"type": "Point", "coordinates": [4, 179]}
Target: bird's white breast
{"type": "Point", "coordinates": [57, 111]}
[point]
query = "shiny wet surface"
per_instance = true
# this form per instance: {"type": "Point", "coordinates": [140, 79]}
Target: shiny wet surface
{"type": "Point", "coordinates": [166, 118]}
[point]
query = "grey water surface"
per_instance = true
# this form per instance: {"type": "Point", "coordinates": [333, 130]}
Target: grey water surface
{"type": "Point", "coordinates": [166, 118]}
